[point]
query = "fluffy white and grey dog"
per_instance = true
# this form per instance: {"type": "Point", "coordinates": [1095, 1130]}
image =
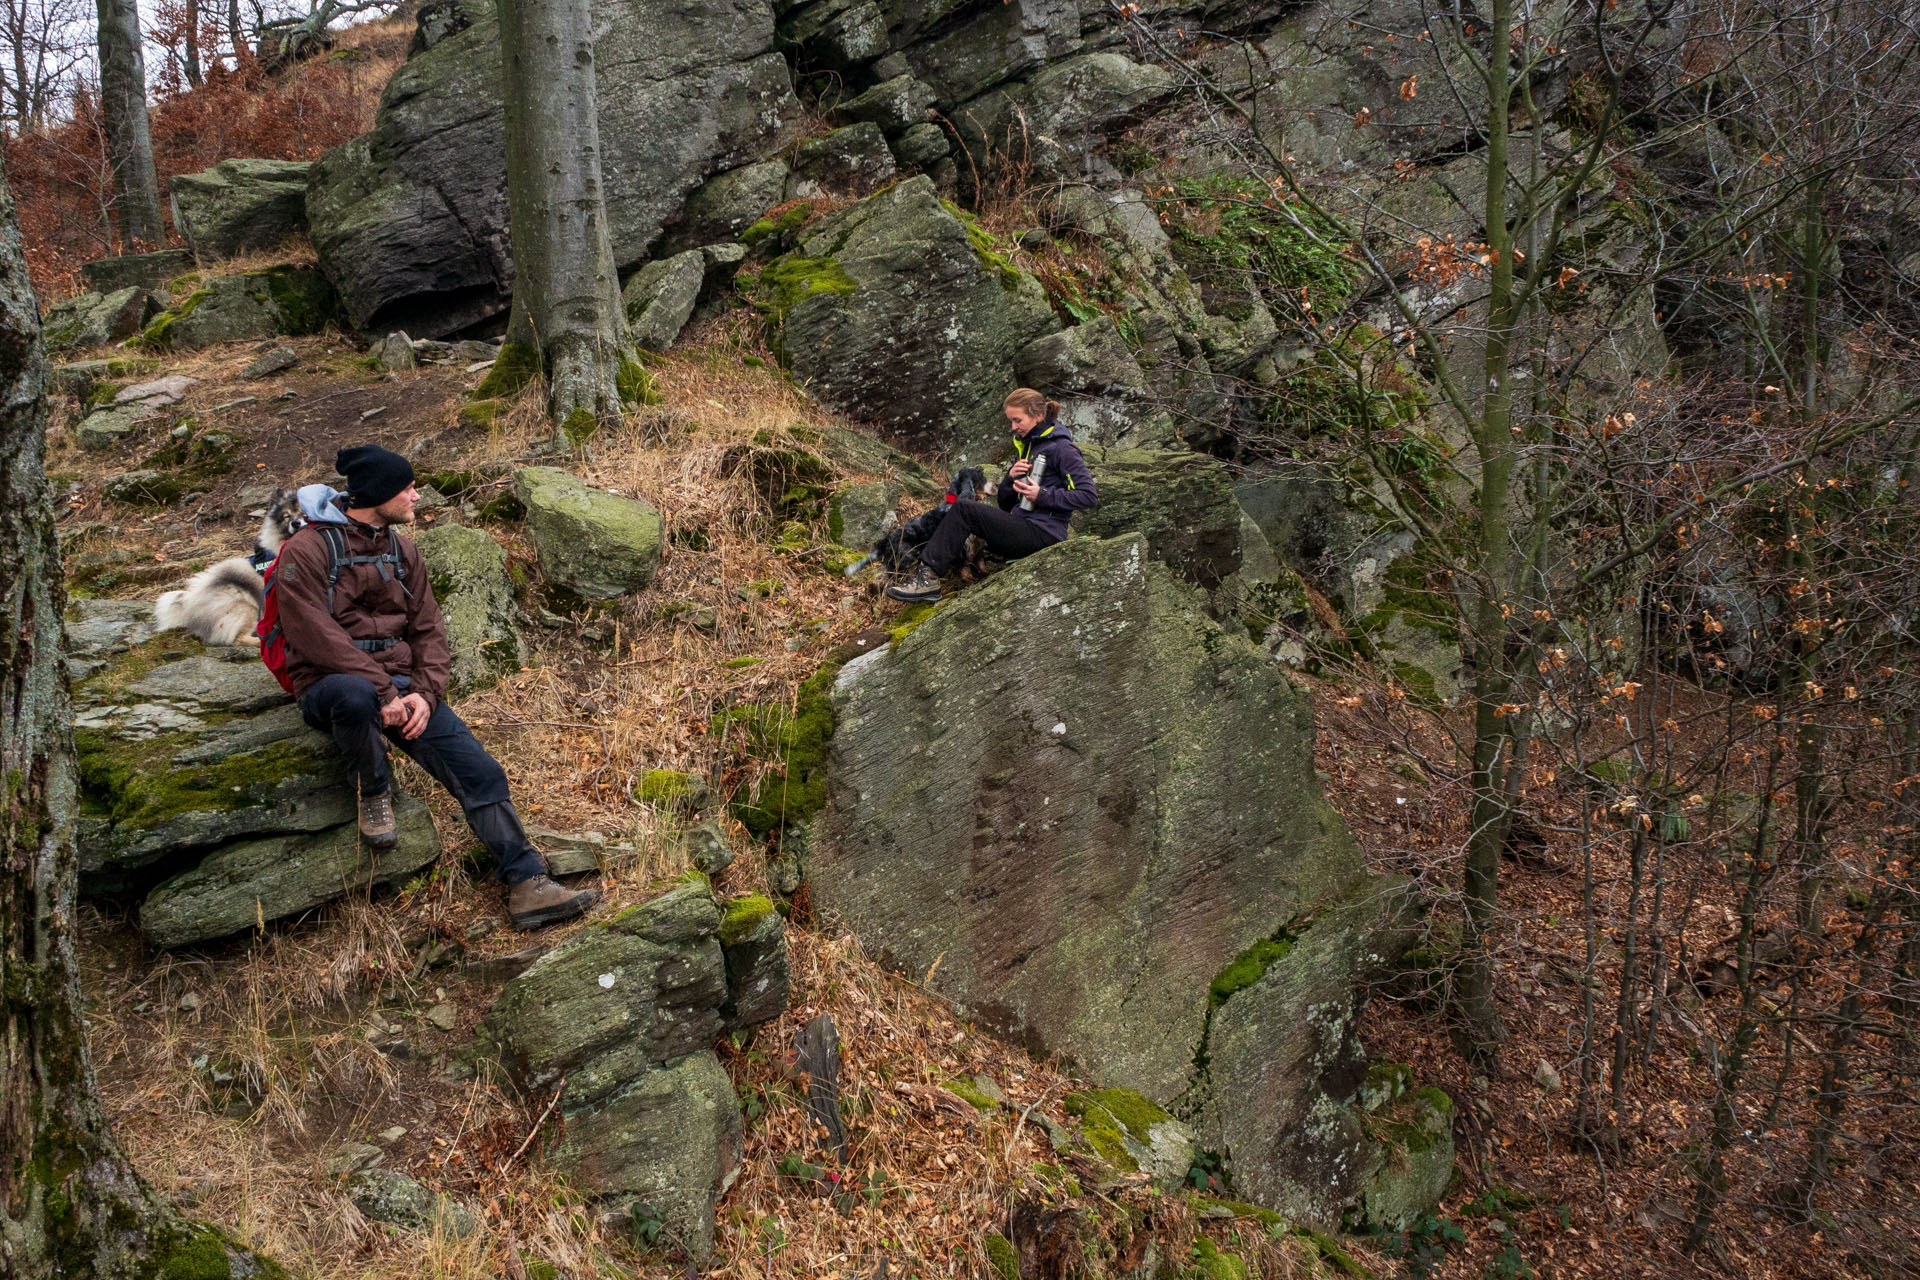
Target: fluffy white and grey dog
{"type": "Point", "coordinates": [221, 603]}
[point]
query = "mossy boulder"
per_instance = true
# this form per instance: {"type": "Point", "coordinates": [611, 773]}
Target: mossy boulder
{"type": "Point", "coordinates": [240, 205]}
{"type": "Point", "coordinates": [182, 749]}
{"type": "Point", "coordinates": [287, 301]}
{"type": "Point", "coordinates": [95, 319]}
{"type": "Point", "coordinates": [623, 1011]}
{"type": "Point", "coordinates": [251, 881]}
{"type": "Point", "coordinates": [149, 271]}
{"type": "Point", "coordinates": [1412, 1163]}
{"type": "Point", "coordinates": [860, 513]}
{"type": "Point", "coordinates": [1085, 866]}
{"type": "Point", "coordinates": [662, 1150]}
{"type": "Point", "coordinates": [899, 312]}
{"type": "Point", "coordinates": [595, 544]}
{"type": "Point", "coordinates": [1134, 1134]}
{"type": "Point", "coordinates": [754, 938]}
{"type": "Point", "coordinates": [468, 570]}
{"type": "Point", "coordinates": [202, 788]}
{"type": "Point", "coordinates": [726, 206]}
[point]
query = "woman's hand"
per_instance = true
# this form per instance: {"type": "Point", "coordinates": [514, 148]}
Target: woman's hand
{"type": "Point", "coordinates": [1019, 469]}
{"type": "Point", "coordinates": [1026, 488]}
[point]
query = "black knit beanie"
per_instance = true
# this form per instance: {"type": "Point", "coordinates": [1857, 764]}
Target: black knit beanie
{"type": "Point", "coordinates": [373, 474]}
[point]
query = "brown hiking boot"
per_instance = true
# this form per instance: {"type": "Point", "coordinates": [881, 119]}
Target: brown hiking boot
{"type": "Point", "coordinates": [377, 826]}
{"type": "Point", "coordinates": [922, 588]}
{"type": "Point", "coordinates": [538, 901]}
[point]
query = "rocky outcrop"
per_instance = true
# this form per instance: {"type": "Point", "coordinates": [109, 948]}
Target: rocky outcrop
{"type": "Point", "coordinates": [623, 1014]}
{"type": "Point", "coordinates": [590, 542]}
{"type": "Point", "coordinates": [469, 575]}
{"type": "Point", "coordinates": [284, 875]}
{"type": "Point", "coordinates": [410, 221]}
{"type": "Point", "coordinates": [149, 271]}
{"type": "Point", "coordinates": [850, 161]}
{"type": "Point", "coordinates": [1184, 504]}
{"type": "Point", "coordinates": [859, 513]}
{"type": "Point", "coordinates": [129, 409]}
{"type": "Point", "coordinates": [95, 319]}
{"type": "Point", "coordinates": [197, 772]}
{"type": "Point", "coordinates": [900, 312]}
{"type": "Point", "coordinates": [660, 298]}
{"type": "Point", "coordinates": [240, 308]}
{"type": "Point", "coordinates": [240, 205]}
{"type": "Point", "coordinates": [1104, 394]}
{"type": "Point", "coordinates": [1411, 1166]}
{"type": "Point", "coordinates": [1149, 887]}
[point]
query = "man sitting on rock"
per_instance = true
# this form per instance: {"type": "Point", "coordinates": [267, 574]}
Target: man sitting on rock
{"type": "Point", "coordinates": [1046, 484]}
{"type": "Point", "coordinates": [367, 655]}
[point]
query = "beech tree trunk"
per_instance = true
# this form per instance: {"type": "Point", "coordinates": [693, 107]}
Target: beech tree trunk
{"type": "Point", "coordinates": [123, 110]}
{"type": "Point", "coordinates": [70, 1202]}
{"type": "Point", "coordinates": [191, 55]}
{"type": "Point", "coordinates": [566, 295]}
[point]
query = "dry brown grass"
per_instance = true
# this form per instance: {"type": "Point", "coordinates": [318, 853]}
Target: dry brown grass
{"type": "Point", "coordinates": [297, 1031]}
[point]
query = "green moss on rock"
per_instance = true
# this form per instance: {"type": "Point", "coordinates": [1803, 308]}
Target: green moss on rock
{"type": "Point", "coordinates": [972, 1094]}
{"type": "Point", "coordinates": [1108, 1117]}
{"type": "Point", "coordinates": [742, 914]}
{"type": "Point", "coordinates": [304, 298]}
{"type": "Point", "coordinates": [666, 786]}
{"type": "Point", "coordinates": [138, 785]}
{"type": "Point", "coordinates": [798, 788]}
{"type": "Point", "coordinates": [635, 384]}
{"type": "Point", "coordinates": [785, 283]}
{"type": "Point", "coordinates": [1246, 969]}
{"type": "Point", "coordinates": [909, 621]}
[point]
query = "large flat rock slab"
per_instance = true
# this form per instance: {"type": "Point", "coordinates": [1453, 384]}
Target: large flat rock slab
{"type": "Point", "coordinates": [253, 881]}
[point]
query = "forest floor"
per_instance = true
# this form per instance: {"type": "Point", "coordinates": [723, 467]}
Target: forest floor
{"type": "Point", "coordinates": [234, 1072]}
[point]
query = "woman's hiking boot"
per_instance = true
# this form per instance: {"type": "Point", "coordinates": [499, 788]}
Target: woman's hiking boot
{"type": "Point", "coordinates": [922, 588]}
{"type": "Point", "coordinates": [538, 901]}
{"type": "Point", "coordinates": [377, 826]}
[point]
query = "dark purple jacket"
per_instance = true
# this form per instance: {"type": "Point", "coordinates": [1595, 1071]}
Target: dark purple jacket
{"type": "Point", "coordinates": [1065, 487]}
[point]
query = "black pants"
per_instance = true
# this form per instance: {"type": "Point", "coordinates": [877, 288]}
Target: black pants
{"type": "Point", "coordinates": [347, 707]}
{"type": "Point", "coordinates": [1007, 534]}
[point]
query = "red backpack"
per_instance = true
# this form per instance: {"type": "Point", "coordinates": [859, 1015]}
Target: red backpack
{"type": "Point", "coordinates": [273, 643]}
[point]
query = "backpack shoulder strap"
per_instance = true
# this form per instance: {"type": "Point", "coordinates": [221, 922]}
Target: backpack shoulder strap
{"type": "Point", "coordinates": [399, 559]}
{"type": "Point", "coordinates": [336, 557]}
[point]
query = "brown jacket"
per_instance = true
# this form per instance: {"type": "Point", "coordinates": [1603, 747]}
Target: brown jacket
{"type": "Point", "coordinates": [365, 607]}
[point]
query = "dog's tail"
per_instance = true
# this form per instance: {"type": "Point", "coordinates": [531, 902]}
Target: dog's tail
{"type": "Point", "coordinates": [239, 575]}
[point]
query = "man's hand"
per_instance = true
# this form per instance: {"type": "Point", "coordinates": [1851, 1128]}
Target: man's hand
{"type": "Point", "coordinates": [407, 713]}
{"type": "Point", "coordinates": [1026, 488]}
{"type": "Point", "coordinates": [1019, 469]}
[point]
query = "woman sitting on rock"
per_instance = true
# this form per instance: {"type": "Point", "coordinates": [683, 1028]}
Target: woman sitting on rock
{"type": "Point", "coordinates": [1046, 484]}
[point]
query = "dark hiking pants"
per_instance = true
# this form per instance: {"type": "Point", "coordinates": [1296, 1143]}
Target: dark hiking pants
{"type": "Point", "coordinates": [346, 706]}
{"type": "Point", "coordinates": [1007, 535]}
